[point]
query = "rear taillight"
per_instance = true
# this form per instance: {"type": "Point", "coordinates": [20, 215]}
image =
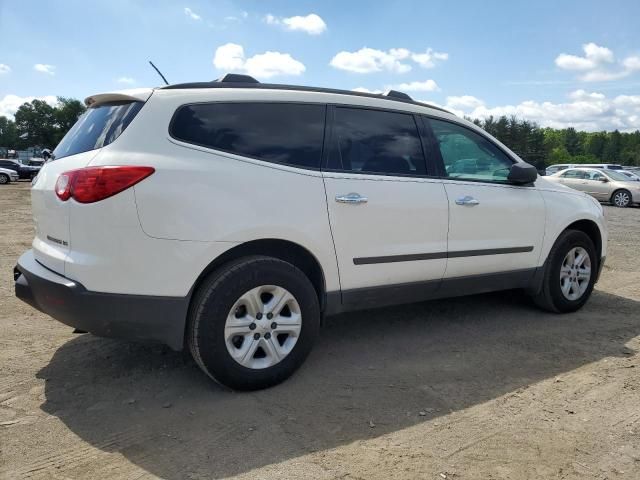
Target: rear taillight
{"type": "Point", "coordinates": [92, 184]}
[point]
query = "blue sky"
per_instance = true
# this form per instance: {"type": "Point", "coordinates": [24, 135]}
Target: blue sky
{"type": "Point", "coordinates": [559, 63]}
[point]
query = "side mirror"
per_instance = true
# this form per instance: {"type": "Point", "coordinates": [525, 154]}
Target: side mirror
{"type": "Point", "coordinates": [604, 180]}
{"type": "Point", "coordinates": [522, 173]}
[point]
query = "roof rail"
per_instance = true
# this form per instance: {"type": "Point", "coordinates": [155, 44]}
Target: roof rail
{"type": "Point", "coordinates": [236, 78]}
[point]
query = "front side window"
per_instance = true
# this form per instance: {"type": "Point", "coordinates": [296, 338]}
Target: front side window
{"type": "Point", "coordinates": [468, 155]}
{"type": "Point", "coordinates": [287, 133]}
{"type": "Point", "coordinates": [375, 141]}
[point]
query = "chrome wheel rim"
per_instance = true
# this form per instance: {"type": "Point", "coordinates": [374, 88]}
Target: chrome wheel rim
{"type": "Point", "coordinates": [4, 179]}
{"type": "Point", "coordinates": [263, 326]}
{"type": "Point", "coordinates": [621, 199]}
{"type": "Point", "coordinates": [575, 273]}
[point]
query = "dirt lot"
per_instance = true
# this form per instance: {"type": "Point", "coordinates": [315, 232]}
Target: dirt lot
{"type": "Point", "coordinates": [479, 387]}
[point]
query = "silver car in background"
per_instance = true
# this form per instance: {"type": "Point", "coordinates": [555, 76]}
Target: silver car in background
{"type": "Point", "coordinates": [604, 185]}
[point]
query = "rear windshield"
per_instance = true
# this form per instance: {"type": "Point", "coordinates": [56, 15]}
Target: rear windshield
{"type": "Point", "coordinates": [97, 128]}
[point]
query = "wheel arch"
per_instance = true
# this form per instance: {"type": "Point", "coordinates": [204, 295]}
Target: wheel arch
{"type": "Point", "coordinates": [591, 229]}
{"type": "Point", "coordinates": [285, 250]}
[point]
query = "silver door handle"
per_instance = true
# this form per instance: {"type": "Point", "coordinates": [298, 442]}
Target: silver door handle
{"type": "Point", "coordinates": [351, 198]}
{"type": "Point", "coordinates": [467, 201]}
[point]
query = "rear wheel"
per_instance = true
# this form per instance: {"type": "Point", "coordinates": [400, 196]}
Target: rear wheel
{"type": "Point", "coordinates": [621, 198]}
{"type": "Point", "coordinates": [253, 322]}
{"type": "Point", "coordinates": [570, 273]}
{"type": "Point", "coordinates": [4, 178]}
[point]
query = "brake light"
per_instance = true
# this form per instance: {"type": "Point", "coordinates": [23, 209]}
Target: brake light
{"type": "Point", "coordinates": [92, 184]}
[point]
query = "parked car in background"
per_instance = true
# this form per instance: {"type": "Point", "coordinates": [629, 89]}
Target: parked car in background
{"type": "Point", "coordinates": [551, 169]}
{"type": "Point", "coordinates": [605, 185]}
{"type": "Point", "coordinates": [633, 176]}
{"type": "Point", "coordinates": [27, 172]}
{"type": "Point", "coordinates": [7, 176]}
{"type": "Point", "coordinates": [228, 217]}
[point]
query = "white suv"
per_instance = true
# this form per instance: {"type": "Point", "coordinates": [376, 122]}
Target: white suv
{"type": "Point", "coordinates": [230, 216]}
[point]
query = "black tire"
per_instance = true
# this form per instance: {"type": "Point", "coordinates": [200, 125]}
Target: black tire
{"type": "Point", "coordinates": [550, 297]}
{"type": "Point", "coordinates": [212, 303]}
{"type": "Point", "coordinates": [619, 204]}
{"type": "Point", "coordinates": [4, 179]}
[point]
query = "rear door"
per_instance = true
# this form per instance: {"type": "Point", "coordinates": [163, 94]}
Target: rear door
{"type": "Point", "coordinates": [574, 178]}
{"type": "Point", "coordinates": [494, 227]}
{"type": "Point", "coordinates": [388, 217]}
{"type": "Point", "coordinates": [596, 185]}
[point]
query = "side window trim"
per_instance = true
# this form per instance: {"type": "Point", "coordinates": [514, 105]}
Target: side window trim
{"type": "Point", "coordinates": [330, 136]}
{"type": "Point", "coordinates": [437, 155]}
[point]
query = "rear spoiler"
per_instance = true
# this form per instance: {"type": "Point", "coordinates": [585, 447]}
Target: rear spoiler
{"type": "Point", "coordinates": [132, 95]}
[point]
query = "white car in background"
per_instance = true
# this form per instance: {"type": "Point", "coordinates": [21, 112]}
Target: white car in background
{"type": "Point", "coordinates": [230, 216]}
{"type": "Point", "coordinates": [7, 176]}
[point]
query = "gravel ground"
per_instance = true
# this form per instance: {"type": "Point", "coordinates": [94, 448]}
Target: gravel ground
{"type": "Point", "coordinates": [478, 387]}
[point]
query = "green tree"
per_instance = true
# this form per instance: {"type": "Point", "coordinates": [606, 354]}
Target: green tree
{"type": "Point", "coordinates": [8, 133]}
{"type": "Point", "coordinates": [67, 112]}
{"type": "Point", "coordinates": [36, 124]}
{"type": "Point", "coordinates": [613, 148]}
{"type": "Point", "coordinates": [572, 141]}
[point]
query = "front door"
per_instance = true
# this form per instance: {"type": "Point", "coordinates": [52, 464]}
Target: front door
{"type": "Point", "coordinates": [494, 227]}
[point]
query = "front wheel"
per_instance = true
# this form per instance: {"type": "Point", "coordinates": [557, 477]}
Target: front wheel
{"type": "Point", "coordinates": [4, 179]}
{"type": "Point", "coordinates": [621, 198]}
{"type": "Point", "coordinates": [570, 273]}
{"type": "Point", "coordinates": [253, 322]}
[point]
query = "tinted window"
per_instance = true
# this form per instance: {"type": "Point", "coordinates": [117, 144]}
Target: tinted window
{"type": "Point", "coordinates": [468, 155]}
{"type": "Point", "coordinates": [10, 165]}
{"type": "Point", "coordinates": [574, 174]}
{"type": "Point", "coordinates": [372, 141]}
{"type": "Point", "coordinates": [276, 132]}
{"type": "Point", "coordinates": [97, 128]}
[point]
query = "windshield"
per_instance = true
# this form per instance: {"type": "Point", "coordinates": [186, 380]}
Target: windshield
{"type": "Point", "coordinates": [97, 128]}
{"type": "Point", "coordinates": [617, 175]}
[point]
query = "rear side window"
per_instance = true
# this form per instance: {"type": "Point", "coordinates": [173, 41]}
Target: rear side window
{"type": "Point", "coordinates": [374, 141]}
{"type": "Point", "coordinates": [287, 133]}
{"type": "Point", "coordinates": [97, 128]}
{"type": "Point", "coordinates": [574, 174]}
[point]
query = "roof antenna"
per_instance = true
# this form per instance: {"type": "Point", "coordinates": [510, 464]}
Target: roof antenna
{"type": "Point", "coordinates": [159, 72]}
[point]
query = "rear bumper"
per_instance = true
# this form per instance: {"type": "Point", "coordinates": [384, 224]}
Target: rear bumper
{"type": "Point", "coordinates": [132, 317]}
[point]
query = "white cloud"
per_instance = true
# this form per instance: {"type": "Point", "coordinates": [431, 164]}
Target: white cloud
{"type": "Point", "coordinates": [596, 64]}
{"type": "Point", "coordinates": [464, 102]}
{"type": "Point", "coordinates": [366, 90]}
{"type": "Point", "coordinates": [368, 60]}
{"type": "Point", "coordinates": [45, 68]}
{"type": "Point", "coordinates": [590, 111]}
{"type": "Point", "coordinates": [231, 57]}
{"type": "Point", "coordinates": [4, 69]}
{"type": "Point", "coordinates": [429, 58]}
{"type": "Point", "coordinates": [126, 80]}
{"type": "Point", "coordinates": [426, 86]}
{"type": "Point", "coordinates": [9, 103]}
{"type": "Point", "coordinates": [312, 24]}
{"type": "Point", "coordinates": [191, 14]}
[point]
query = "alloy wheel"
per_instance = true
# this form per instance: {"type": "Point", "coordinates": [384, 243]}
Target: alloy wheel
{"type": "Point", "coordinates": [575, 273]}
{"type": "Point", "coordinates": [263, 326]}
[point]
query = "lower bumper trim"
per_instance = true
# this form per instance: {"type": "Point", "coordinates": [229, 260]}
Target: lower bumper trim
{"type": "Point", "coordinates": [132, 317]}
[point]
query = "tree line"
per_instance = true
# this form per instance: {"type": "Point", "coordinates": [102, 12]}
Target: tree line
{"type": "Point", "coordinates": [548, 146]}
{"type": "Point", "coordinates": [37, 123]}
